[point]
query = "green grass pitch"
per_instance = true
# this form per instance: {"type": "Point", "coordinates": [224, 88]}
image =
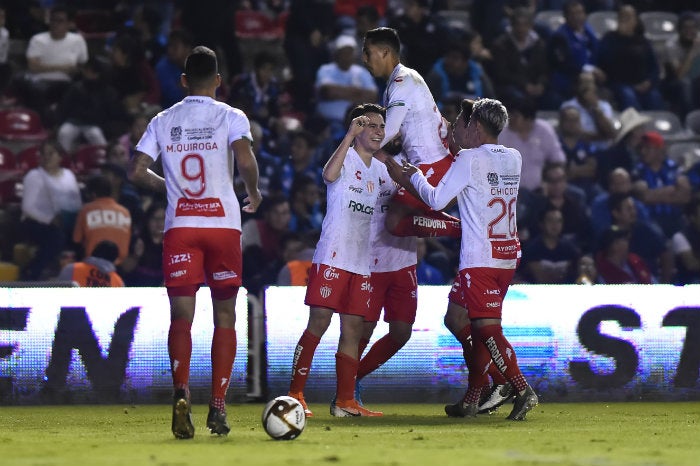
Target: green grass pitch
{"type": "Point", "coordinates": [578, 434]}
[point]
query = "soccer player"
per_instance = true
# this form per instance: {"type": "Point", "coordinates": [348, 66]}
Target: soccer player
{"type": "Point", "coordinates": [412, 114]}
{"type": "Point", "coordinates": [198, 140]}
{"type": "Point", "coordinates": [393, 281]}
{"type": "Point", "coordinates": [339, 276]}
{"type": "Point", "coordinates": [485, 181]}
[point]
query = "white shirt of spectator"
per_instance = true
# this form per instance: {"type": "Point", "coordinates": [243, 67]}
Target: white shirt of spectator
{"type": "Point", "coordinates": [485, 181]}
{"type": "Point", "coordinates": [351, 200]}
{"type": "Point", "coordinates": [389, 252]}
{"type": "Point", "coordinates": [410, 104]}
{"type": "Point", "coordinates": [44, 196]}
{"type": "Point", "coordinates": [193, 139]}
{"type": "Point", "coordinates": [331, 74]}
{"type": "Point", "coordinates": [69, 51]}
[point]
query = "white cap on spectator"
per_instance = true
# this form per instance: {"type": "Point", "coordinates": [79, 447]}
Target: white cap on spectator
{"type": "Point", "coordinates": [345, 41]}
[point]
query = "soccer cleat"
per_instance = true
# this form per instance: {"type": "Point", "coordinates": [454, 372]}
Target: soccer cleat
{"type": "Point", "coordinates": [217, 422]}
{"type": "Point", "coordinates": [299, 396]}
{"type": "Point", "coordinates": [182, 427]}
{"type": "Point", "coordinates": [498, 395]}
{"type": "Point", "coordinates": [351, 408]}
{"type": "Point", "coordinates": [461, 409]}
{"type": "Point", "coordinates": [523, 404]}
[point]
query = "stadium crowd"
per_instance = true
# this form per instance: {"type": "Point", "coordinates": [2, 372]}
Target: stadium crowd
{"type": "Point", "coordinates": [603, 98]}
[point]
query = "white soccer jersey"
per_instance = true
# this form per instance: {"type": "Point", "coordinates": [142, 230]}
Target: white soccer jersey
{"type": "Point", "coordinates": [345, 233]}
{"type": "Point", "coordinates": [193, 139]}
{"type": "Point", "coordinates": [410, 104]}
{"type": "Point", "coordinates": [389, 252]}
{"type": "Point", "coordinates": [485, 181]}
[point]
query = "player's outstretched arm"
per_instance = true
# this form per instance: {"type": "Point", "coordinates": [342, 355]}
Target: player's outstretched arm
{"type": "Point", "coordinates": [141, 175]}
{"type": "Point", "coordinates": [248, 168]}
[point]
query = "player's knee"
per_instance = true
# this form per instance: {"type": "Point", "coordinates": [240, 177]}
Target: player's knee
{"type": "Point", "coordinates": [182, 291]}
{"type": "Point", "coordinates": [222, 293]}
{"type": "Point", "coordinates": [400, 335]}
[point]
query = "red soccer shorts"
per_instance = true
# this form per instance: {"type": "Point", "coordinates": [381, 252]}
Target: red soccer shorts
{"type": "Point", "coordinates": [192, 256]}
{"type": "Point", "coordinates": [344, 292]}
{"type": "Point", "coordinates": [396, 293]}
{"type": "Point", "coordinates": [481, 291]}
{"type": "Point", "coordinates": [433, 173]}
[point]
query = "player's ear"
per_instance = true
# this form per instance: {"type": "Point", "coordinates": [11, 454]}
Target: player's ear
{"type": "Point", "coordinates": [183, 80]}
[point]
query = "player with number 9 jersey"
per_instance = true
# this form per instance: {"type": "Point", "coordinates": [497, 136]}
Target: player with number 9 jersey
{"type": "Point", "coordinates": [197, 161]}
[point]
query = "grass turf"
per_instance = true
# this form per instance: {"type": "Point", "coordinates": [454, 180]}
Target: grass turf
{"type": "Point", "coordinates": [597, 434]}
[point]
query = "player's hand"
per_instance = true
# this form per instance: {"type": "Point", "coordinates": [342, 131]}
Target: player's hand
{"type": "Point", "coordinates": [252, 202]}
{"type": "Point", "coordinates": [399, 172]}
{"type": "Point", "coordinates": [357, 125]}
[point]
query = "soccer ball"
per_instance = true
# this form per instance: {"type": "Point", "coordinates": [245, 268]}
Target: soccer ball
{"type": "Point", "coordinates": [283, 418]}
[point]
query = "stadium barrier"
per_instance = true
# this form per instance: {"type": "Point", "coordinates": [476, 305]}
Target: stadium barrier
{"type": "Point", "coordinates": [574, 343]}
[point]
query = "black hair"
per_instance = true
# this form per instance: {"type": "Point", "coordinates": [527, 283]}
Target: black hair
{"type": "Point", "coordinates": [384, 36]}
{"type": "Point", "coordinates": [615, 200]}
{"type": "Point", "coordinates": [363, 109]}
{"type": "Point", "coordinates": [107, 250]}
{"type": "Point", "coordinates": [200, 66]}
{"type": "Point", "coordinates": [99, 186]}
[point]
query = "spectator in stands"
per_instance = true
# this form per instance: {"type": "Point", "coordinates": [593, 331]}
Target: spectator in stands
{"type": "Point", "coordinates": [258, 92]}
{"type": "Point", "coordinates": [619, 182]}
{"type": "Point", "coordinates": [137, 126]}
{"type": "Point", "coordinates": [624, 152]}
{"type": "Point", "coordinates": [262, 243]}
{"type": "Point", "coordinates": [659, 183]}
{"type": "Point", "coordinates": [144, 264]}
{"type": "Point", "coordinates": [681, 66]}
{"type": "Point", "coordinates": [596, 114]}
{"type": "Point", "coordinates": [50, 203]}
{"type": "Point", "coordinates": [534, 138]}
{"type": "Point", "coordinates": [646, 238]}
{"type": "Point", "coordinates": [581, 161]}
{"type": "Point", "coordinates": [297, 253]}
{"type": "Point", "coordinates": [457, 74]}
{"type": "Point", "coordinates": [5, 67]}
{"type": "Point", "coordinates": [306, 36]}
{"type": "Point", "coordinates": [573, 48]}
{"type": "Point", "coordinates": [133, 77]}
{"type": "Point", "coordinates": [89, 108]}
{"type": "Point", "coordinates": [305, 201]}
{"type": "Point", "coordinates": [170, 67]}
{"type": "Point", "coordinates": [121, 189]}
{"type": "Point", "coordinates": [427, 273]}
{"type": "Point", "coordinates": [549, 257]}
{"type": "Point", "coordinates": [102, 218]}
{"type": "Point", "coordinates": [616, 264]}
{"type": "Point", "coordinates": [268, 165]}
{"type": "Point", "coordinates": [146, 21]}
{"type": "Point", "coordinates": [521, 69]}
{"type": "Point", "coordinates": [420, 43]}
{"type": "Point", "coordinates": [686, 245]}
{"type": "Point", "coordinates": [627, 58]}
{"type": "Point", "coordinates": [301, 160]}
{"type": "Point", "coordinates": [96, 270]}
{"type": "Point", "coordinates": [53, 58]}
{"type": "Point", "coordinates": [571, 201]}
{"type": "Point", "coordinates": [342, 84]}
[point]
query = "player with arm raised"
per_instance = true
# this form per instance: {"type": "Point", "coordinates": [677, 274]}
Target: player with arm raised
{"type": "Point", "coordinates": [485, 181]}
{"type": "Point", "coordinates": [413, 115]}
{"type": "Point", "coordinates": [197, 141]}
{"type": "Point", "coordinates": [339, 277]}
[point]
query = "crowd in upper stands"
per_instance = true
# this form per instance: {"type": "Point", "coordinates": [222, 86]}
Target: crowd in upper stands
{"type": "Point", "coordinates": [603, 99]}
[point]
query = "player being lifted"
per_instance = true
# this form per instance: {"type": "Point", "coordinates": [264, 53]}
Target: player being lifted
{"type": "Point", "coordinates": [412, 114]}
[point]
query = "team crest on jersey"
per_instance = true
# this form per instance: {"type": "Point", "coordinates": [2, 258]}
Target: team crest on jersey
{"type": "Point", "coordinates": [175, 133]}
{"type": "Point", "coordinates": [492, 178]}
